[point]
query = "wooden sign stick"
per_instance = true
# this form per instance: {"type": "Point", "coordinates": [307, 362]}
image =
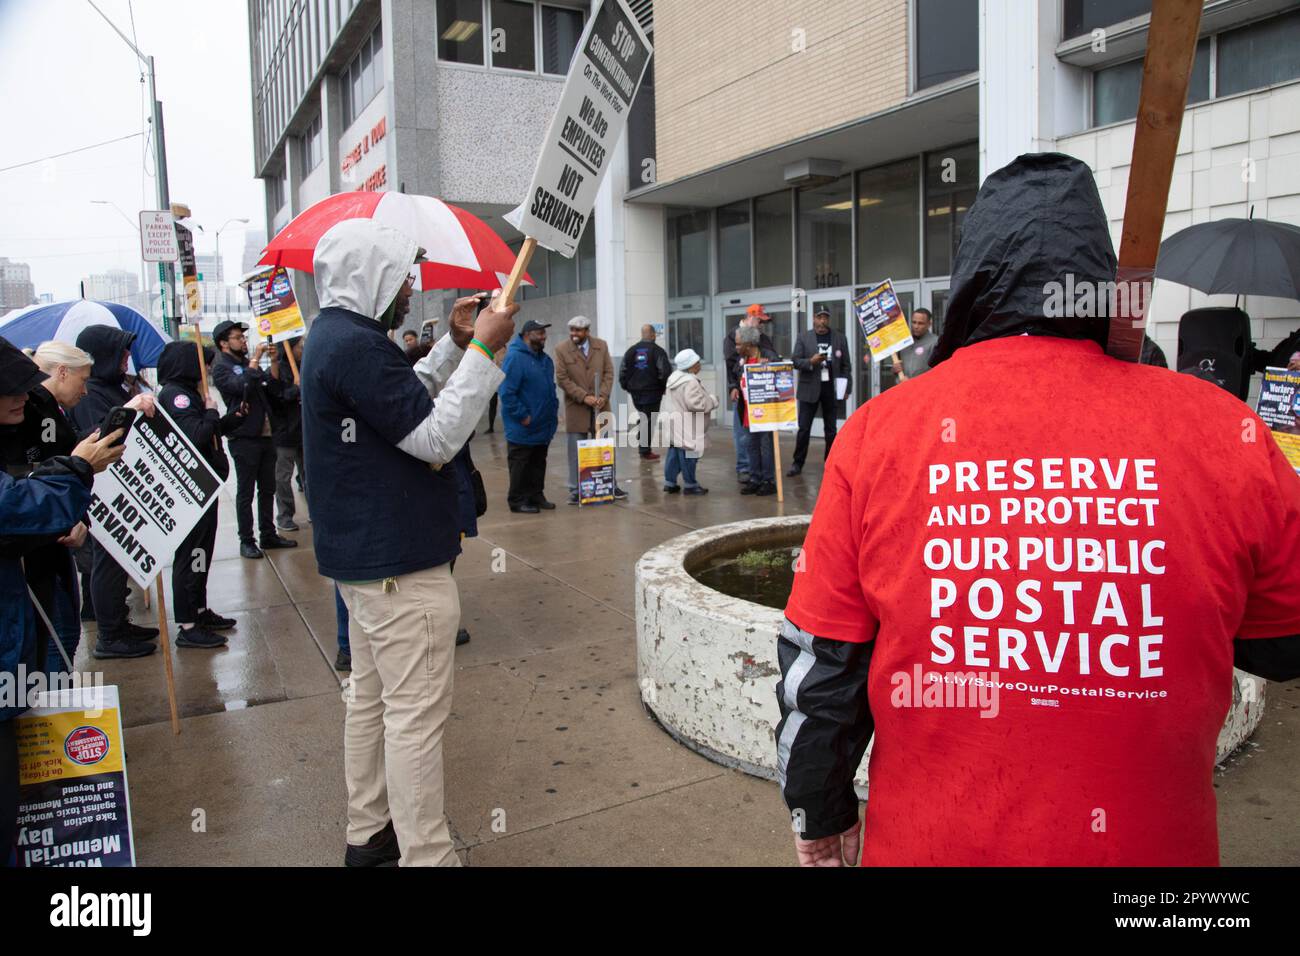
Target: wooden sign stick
{"type": "Point", "coordinates": [165, 640]}
{"type": "Point", "coordinates": [517, 273]}
{"type": "Point", "coordinates": [776, 461]}
{"type": "Point", "coordinates": [203, 363]}
{"type": "Point", "coordinates": [293, 363]}
{"type": "Point", "coordinates": [1166, 70]}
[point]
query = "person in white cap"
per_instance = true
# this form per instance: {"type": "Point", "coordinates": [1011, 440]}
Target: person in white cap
{"type": "Point", "coordinates": [687, 409]}
{"type": "Point", "coordinates": [585, 373]}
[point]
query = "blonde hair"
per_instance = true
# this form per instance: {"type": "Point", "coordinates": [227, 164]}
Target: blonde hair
{"type": "Point", "coordinates": [48, 356]}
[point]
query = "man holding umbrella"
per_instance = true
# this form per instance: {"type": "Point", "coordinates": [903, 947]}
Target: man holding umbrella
{"type": "Point", "coordinates": [387, 524]}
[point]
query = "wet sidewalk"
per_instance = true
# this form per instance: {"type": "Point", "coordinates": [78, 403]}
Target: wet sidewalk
{"type": "Point", "coordinates": [550, 756]}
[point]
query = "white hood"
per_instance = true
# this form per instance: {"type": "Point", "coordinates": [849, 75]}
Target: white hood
{"type": "Point", "coordinates": [360, 265]}
{"type": "Point", "coordinates": [679, 378]}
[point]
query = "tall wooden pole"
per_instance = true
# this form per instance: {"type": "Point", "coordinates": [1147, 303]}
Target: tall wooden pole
{"type": "Point", "coordinates": [165, 640]}
{"type": "Point", "coordinates": [517, 273]}
{"type": "Point", "coordinates": [1166, 71]}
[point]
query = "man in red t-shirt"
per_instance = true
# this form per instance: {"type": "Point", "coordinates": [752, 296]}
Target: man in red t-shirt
{"type": "Point", "coordinates": [1031, 571]}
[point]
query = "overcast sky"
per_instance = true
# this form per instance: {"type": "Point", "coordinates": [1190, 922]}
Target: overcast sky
{"type": "Point", "coordinates": [67, 80]}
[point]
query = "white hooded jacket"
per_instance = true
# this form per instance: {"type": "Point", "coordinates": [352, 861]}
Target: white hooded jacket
{"type": "Point", "coordinates": [360, 265]}
{"type": "Point", "coordinates": [687, 409]}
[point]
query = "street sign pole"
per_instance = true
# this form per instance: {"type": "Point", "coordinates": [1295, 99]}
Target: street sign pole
{"type": "Point", "coordinates": [166, 270]}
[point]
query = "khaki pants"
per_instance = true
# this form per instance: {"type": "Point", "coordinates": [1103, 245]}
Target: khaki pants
{"type": "Point", "coordinates": [403, 653]}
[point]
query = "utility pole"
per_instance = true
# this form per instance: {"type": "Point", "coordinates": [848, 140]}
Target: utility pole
{"type": "Point", "coordinates": [166, 270]}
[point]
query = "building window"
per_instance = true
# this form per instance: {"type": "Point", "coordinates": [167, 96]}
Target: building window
{"type": "Point", "coordinates": [460, 31]}
{"type": "Point", "coordinates": [688, 253]}
{"type": "Point", "coordinates": [513, 44]}
{"type": "Point", "coordinates": [947, 32]}
{"type": "Point", "coordinates": [952, 178]}
{"type": "Point", "coordinates": [364, 76]}
{"type": "Point", "coordinates": [826, 234]}
{"type": "Point", "coordinates": [734, 247]}
{"type": "Point", "coordinates": [641, 132]}
{"type": "Point", "coordinates": [275, 192]}
{"type": "Point", "coordinates": [1084, 16]}
{"type": "Point", "coordinates": [889, 229]}
{"type": "Point", "coordinates": [561, 31]}
{"type": "Point", "coordinates": [1115, 89]}
{"type": "Point", "coordinates": [687, 332]}
{"type": "Point", "coordinates": [312, 146]}
{"type": "Point", "coordinates": [564, 274]}
{"type": "Point", "coordinates": [1260, 54]}
{"type": "Point", "coordinates": [772, 239]}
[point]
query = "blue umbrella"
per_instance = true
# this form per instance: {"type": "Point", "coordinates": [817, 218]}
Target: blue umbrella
{"type": "Point", "coordinates": [63, 322]}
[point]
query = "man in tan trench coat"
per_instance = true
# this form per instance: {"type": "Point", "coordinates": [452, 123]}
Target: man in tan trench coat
{"type": "Point", "coordinates": [585, 373]}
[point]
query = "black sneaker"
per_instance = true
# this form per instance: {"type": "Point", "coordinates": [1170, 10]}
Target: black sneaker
{"type": "Point", "coordinates": [138, 632]}
{"type": "Point", "coordinates": [542, 503]}
{"type": "Point", "coordinates": [794, 471]}
{"type": "Point", "coordinates": [697, 490]}
{"type": "Point", "coordinates": [526, 508]}
{"type": "Point", "coordinates": [751, 488]}
{"type": "Point", "coordinates": [287, 525]}
{"type": "Point", "coordinates": [573, 498]}
{"type": "Point", "coordinates": [199, 637]}
{"type": "Point", "coordinates": [249, 550]}
{"type": "Point", "coordinates": [380, 850]}
{"type": "Point", "coordinates": [619, 494]}
{"type": "Point", "coordinates": [213, 621]}
{"type": "Point", "coordinates": [462, 637]}
{"type": "Point", "coordinates": [272, 541]}
{"type": "Point", "coordinates": [343, 662]}
{"type": "Point", "coordinates": [117, 647]}
{"type": "Point", "coordinates": [672, 489]}
{"type": "Point", "coordinates": [743, 477]}
{"type": "Point", "coordinates": [765, 489]}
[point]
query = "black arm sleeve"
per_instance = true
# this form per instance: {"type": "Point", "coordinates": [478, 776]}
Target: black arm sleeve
{"type": "Point", "coordinates": [1272, 658]}
{"type": "Point", "coordinates": [230, 385]}
{"type": "Point", "coordinates": [824, 730]}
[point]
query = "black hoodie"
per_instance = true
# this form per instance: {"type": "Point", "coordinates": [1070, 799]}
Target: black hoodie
{"type": "Point", "coordinates": [1034, 222]}
{"type": "Point", "coordinates": [106, 387]}
{"type": "Point", "coordinates": [179, 396]}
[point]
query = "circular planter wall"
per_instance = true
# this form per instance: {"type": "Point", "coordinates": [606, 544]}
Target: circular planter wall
{"type": "Point", "coordinates": [706, 661]}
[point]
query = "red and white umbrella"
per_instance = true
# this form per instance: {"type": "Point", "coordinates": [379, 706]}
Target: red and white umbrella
{"type": "Point", "coordinates": [463, 252]}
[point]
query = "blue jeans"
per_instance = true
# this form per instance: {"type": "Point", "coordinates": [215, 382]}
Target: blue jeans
{"type": "Point", "coordinates": [341, 613]}
{"type": "Point", "coordinates": [66, 618]}
{"type": "Point", "coordinates": [740, 435]}
{"type": "Point", "coordinates": [762, 461]}
{"type": "Point", "coordinates": [677, 463]}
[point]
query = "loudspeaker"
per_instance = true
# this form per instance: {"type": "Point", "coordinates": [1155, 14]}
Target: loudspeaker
{"type": "Point", "coordinates": [1213, 345]}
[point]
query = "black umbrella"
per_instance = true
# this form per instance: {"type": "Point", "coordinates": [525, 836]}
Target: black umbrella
{"type": "Point", "coordinates": [1234, 257]}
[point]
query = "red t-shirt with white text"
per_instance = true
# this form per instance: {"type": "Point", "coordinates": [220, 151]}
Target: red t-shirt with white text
{"type": "Point", "coordinates": [1053, 551]}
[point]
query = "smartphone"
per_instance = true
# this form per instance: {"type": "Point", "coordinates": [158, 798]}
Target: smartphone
{"type": "Point", "coordinates": [117, 417]}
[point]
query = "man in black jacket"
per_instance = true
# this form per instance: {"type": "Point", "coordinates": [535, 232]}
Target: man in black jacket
{"type": "Point", "coordinates": [242, 381]}
{"type": "Point", "coordinates": [178, 374]}
{"type": "Point", "coordinates": [644, 375]}
{"type": "Point", "coordinates": [117, 636]}
{"type": "Point", "coordinates": [821, 354]}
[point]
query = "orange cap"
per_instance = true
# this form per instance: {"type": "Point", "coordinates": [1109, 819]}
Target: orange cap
{"type": "Point", "coordinates": [756, 311]}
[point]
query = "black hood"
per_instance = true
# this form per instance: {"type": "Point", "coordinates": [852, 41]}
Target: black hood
{"type": "Point", "coordinates": [106, 343]}
{"type": "Point", "coordinates": [1034, 222]}
{"type": "Point", "coordinates": [18, 373]}
{"type": "Point", "coordinates": [179, 364]}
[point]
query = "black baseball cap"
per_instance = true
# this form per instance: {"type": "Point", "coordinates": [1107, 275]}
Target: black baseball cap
{"type": "Point", "coordinates": [822, 312]}
{"type": "Point", "coordinates": [18, 373]}
{"type": "Point", "coordinates": [532, 325]}
{"type": "Point", "coordinates": [225, 328]}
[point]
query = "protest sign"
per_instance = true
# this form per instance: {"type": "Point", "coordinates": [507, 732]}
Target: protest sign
{"type": "Point", "coordinates": [73, 804]}
{"type": "Point", "coordinates": [595, 471]}
{"type": "Point", "coordinates": [606, 70]}
{"type": "Point", "coordinates": [145, 503]}
{"type": "Point", "coordinates": [158, 236]}
{"type": "Point", "coordinates": [769, 394]}
{"type": "Point", "coordinates": [1279, 407]}
{"type": "Point", "coordinates": [275, 309]}
{"type": "Point", "coordinates": [189, 273]}
{"type": "Point", "coordinates": [884, 324]}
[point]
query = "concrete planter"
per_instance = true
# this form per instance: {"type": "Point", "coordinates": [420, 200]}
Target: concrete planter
{"type": "Point", "coordinates": [707, 665]}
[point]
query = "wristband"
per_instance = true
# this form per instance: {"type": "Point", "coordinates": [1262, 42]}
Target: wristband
{"type": "Point", "coordinates": [475, 343]}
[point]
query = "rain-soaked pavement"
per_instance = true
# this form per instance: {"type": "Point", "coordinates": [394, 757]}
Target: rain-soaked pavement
{"type": "Point", "coordinates": [550, 757]}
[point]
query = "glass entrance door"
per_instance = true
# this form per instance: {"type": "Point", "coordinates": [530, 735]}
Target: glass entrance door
{"type": "Point", "coordinates": [780, 329]}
